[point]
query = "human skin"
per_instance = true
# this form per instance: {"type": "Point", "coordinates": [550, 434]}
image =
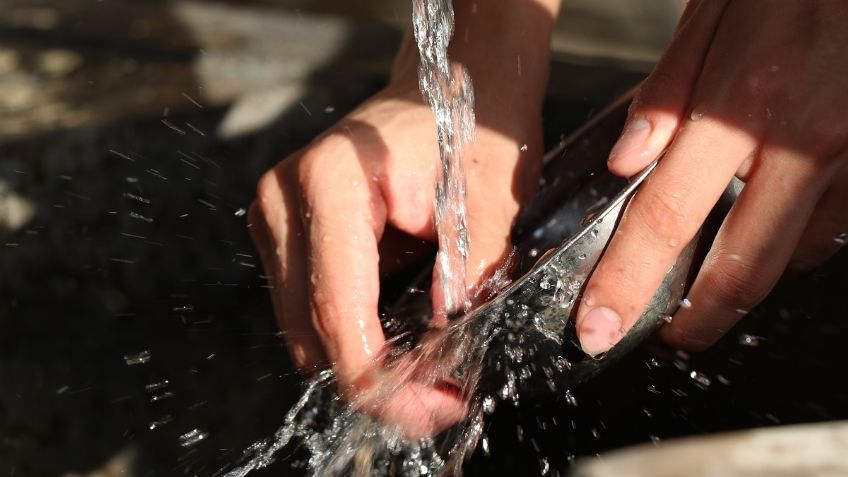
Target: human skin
{"type": "Point", "coordinates": [328, 219]}
{"type": "Point", "coordinates": [747, 88]}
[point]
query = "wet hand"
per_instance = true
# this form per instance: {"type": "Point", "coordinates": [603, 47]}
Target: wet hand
{"type": "Point", "coordinates": [754, 89]}
{"type": "Point", "coordinates": [327, 219]}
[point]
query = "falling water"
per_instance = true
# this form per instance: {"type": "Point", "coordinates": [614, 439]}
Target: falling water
{"type": "Point", "coordinates": [449, 92]}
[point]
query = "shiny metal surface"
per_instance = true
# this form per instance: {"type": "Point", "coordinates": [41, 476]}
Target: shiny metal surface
{"type": "Point", "coordinates": [525, 337]}
{"type": "Point", "coordinates": [531, 322]}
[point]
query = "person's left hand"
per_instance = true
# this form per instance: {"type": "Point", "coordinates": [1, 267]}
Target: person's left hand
{"type": "Point", "coordinates": [755, 89]}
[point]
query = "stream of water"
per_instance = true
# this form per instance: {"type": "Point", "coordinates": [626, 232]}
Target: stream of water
{"type": "Point", "coordinates": [342, 441]}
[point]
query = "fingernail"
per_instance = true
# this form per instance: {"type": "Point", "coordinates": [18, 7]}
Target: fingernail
{"type": "Point", "coordinates": [599, 331]}
{"type": "Point", "coordinates": [632, 140]}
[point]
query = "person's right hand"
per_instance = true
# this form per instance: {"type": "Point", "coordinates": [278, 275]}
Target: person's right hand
{"type": "Point", "coordinates": [321, 216]}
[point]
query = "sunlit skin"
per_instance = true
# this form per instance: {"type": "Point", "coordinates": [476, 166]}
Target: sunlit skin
{"type": "Point", "coordinates": [747, 88]}
{"type": "Point", "coordinates": [320, 215]}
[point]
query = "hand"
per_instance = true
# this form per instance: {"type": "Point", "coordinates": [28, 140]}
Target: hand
{"type": "Point", "coordinates": [751, 88]}
{"type": "Point", "coordinates": [326, 218]}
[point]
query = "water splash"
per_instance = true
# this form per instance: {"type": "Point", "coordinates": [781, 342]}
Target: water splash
{"type": "Point", "coordinates": [340, 439]}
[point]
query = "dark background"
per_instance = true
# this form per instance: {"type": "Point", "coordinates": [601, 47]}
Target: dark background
{"type": "Point", "coordinates": [132, 134]}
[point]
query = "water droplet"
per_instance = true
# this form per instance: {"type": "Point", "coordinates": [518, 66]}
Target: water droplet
{"type": "Point", "coordinates": [696, 115]}
{"type": "Point", "coordinates": [484, 444]}
{"type": "Point", "coordinates": [159, 423]}
{"type": "Point", "coordinates": [685, 303]}
{"type": "Point", "coordinates": [524, 148]}
{"type": "Point", "coordinates": [559, 293]}
{"type": "Point", "coordinates": [582, 256]}
{"type": "Point", "coordinates": [750, 340]}
{"type": "Point", "coordinates": [841, 238]}
{"type": "Point", "coordinates": [240, 212]}
{"type": "Point", "coordinates": [192, 437]}
{"type": "Point", "coordinates": [570, 399]}
{"type": "Point", "coordinates": [562, 364]}
{"type": "Point", "coordinates": [161, 396]}
{"type": "Point", "coordinates": [700, 378]}
{"type": "Point", "coordinates": [653, 389]}
{"type": "Point", "coordinates": [156, 386]}
{"type": "Point", "coordinates": [138, 358]}
{"type": "Point", "coordinates": [138, 216]}
{"type": "Point", "coordinates": [666, 318]}
{"type": "Point", "coordinates": [533, 253]}
{"type": "Point", "coordinates": [488, 404]}
{"type": "Point", "coordinates": [508, 390]}
{"type": "Point", "coordinates": [544, 466]}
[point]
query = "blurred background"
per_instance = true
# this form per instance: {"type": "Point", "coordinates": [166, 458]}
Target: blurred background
{"type": "Point", "coordinates": [136, 334]}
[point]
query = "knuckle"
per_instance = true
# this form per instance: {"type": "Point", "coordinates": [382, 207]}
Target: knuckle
{"type": "Point", "coordinates": [735, 282]}
{"type": "Point", "coordinates": [326, 162]}
{"type": "Point", "coordinates": [664, 217]}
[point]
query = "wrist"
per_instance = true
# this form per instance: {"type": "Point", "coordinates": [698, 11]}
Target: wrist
{"type": "Point", "coordinates": [504, 44]}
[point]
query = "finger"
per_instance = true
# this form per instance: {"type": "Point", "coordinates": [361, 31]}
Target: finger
{"type": "Point", "coordinates": [343, 220]}
{"type": "Point", "coordinates": [661, 219]}
{"type": "Point", "coordinates": [663, 98]}
{"type": "Point", "coordinates": [751, 250]}
{"type": "Point", "coordinates": [277, 231]}
{"type": "Point", "coordinates": [343, 230]}
{"type": "Point", "coordinates": [490, 215]}
{"type": "Point", "coordinates": [827, 231]}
